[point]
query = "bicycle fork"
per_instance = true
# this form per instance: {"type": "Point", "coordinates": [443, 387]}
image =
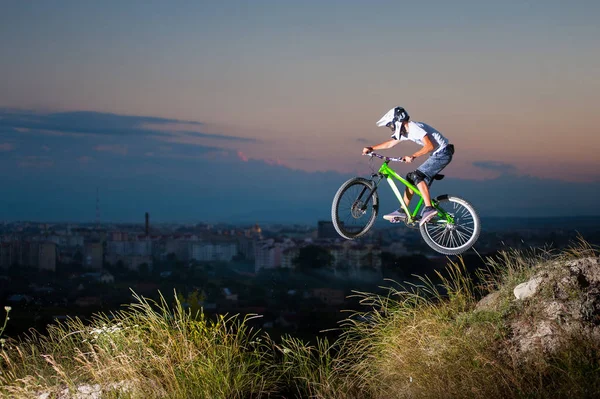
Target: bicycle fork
{"type": "Point", "coordinates": [363, 208]}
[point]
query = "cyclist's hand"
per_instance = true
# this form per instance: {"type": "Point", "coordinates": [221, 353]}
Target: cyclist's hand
{"type": "Point", "coordinates": [407, 158]}
{"type": "Point", "coordinates": [367, 150]}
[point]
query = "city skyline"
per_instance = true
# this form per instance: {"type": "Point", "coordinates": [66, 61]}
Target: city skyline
{"type": "Point", "coordinates": [208, 111]}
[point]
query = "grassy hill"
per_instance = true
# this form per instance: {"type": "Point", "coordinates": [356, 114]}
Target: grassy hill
{"type": "Point", "coordinates": [528, 325]}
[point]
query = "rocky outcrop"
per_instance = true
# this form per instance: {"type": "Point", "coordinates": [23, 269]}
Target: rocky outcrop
{"type": "Point", "coordinates": [559, 304]}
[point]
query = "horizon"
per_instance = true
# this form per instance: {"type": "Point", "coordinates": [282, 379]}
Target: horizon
{"type": "Point", "coordinates": [241, 224]}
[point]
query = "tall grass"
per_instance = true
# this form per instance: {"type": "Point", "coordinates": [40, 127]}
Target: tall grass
{"type": "Point", "coordinates": [428, 340]}
{"type": "Point", "coordinates": [145, 351]}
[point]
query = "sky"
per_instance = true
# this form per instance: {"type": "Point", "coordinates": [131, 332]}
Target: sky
{"type": "Point", "coordinates": [256, 110]}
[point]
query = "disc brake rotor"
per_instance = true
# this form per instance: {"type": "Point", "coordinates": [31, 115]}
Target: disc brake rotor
{"type": "Point", "coordinates": [357, 210]}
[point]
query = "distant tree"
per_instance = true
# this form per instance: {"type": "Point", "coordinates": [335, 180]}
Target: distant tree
{"type": "Point", "coordinates": [144, 269]}
{"type": "Point", "coordinates": [239, 257]}
{"type": "Point", "coordinates": [368, 262]}
{"type": "Point", "coordinates": [78, 258]}
{"type": "Point", "coordinates": [312, 257]}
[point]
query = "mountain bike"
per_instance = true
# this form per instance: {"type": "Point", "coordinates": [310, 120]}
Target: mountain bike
{"type": "Point", "coordinates": [452, 231]}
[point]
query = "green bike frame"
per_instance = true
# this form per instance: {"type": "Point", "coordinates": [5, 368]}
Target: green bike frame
{"type": "Point", "coordinates": [388, 173]}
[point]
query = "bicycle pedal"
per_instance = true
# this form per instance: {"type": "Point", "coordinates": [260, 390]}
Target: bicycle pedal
{"type": "Point", "coordinates": [397, 219]}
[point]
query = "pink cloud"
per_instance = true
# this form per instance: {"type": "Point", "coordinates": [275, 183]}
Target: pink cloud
{"type": "Point", "coordinates": [274, 162]}
{"type": "Point", "coordinates": [112, 148]}
{"type": "Point", "coordinates": [242, 156]}
{"type": "Point", "coordinates": [45, 148]}
{"type": "Point", "coordinates": [5, 147]}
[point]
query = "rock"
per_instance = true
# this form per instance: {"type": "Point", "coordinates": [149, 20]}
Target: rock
{"type": "Point", "coordinates": [568, 307]}
{"type": "Point", "coordinates": [488, 302]}
{"type": "Point", "coordinates": [526, 290]}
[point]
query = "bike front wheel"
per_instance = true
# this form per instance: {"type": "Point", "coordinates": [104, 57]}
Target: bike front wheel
{"type": "Point", "coordinates": [456, 227]}
{"type": "Point", "coordinates": [354, 208]}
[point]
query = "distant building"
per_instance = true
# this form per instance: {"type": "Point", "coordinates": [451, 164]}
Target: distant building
{"type": "Point", "coordinates": [325, 230]}
{"type": "Point", "coordinates": [287, 257]}
{"type": "Point", "coordinates": [132, 262]}
{"type": "Point", "coordinates": [93, 255]}
{"type": "Point", "coordinates": [39, 255]}
{"type": "Point", "coordinates": [268, 254]}
{"type": "Point", "coordinates": [119, 236]}
{"type": "Point", "coordinates": [7, 255]}
{"type": "Point", "coordinates": [213, 251]}
{"type": "Point", "coordinates": [254, 232]}
{"type": "Point", "coordinates": [246, 247]}
{"type": "Point", "coordinates": [179, 247]}
{"type": "Point", "coordinates": [353, 257]}
{"type": "Point", "coordinates": [47, 256]}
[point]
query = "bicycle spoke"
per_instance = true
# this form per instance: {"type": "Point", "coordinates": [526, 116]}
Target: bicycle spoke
{"type": "Point", "coordinates": [464, 237]}
{"type": "Point", "coordinates": [467, 229]}
{"type": "Point", "coordinates": [352, 216]}
{"type": "Point", "coordinates": [448, 236]}
{"type": "Point", "coordinates": [460, 231]}
{"type": "Point", "coordinates": [439, 234]}
{"type": "Point", "coordinates": [452, 240]}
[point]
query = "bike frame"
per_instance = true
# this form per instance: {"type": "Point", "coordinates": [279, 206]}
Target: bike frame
{"type": "Point", "coordinates": [389, 174]}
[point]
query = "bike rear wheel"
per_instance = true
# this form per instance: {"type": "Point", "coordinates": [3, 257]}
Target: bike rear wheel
{"type": "Point", "coordinates": [353, 212]}
{"type": "Point", "coordinates": [455, 232]}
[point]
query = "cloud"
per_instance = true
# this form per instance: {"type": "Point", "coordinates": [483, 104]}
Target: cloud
{"type": "Point", "coordinates": [35, 162]}
{"type": "Point", "coordinates": [270, 161]}
{"type": "Point", "coordinates": [496, 166]}
{"type": "Point", "coordinates": [5, 147]}
{"type": "Point", "coordinates": [242, 156]}
{"type": "Point", "coordinates": [102, 124]}
{"type": "Point", "coordinates": [220, 137]}
{"type": "Point", "coordinates": [85, 159]}
{"type": "Point", "coordinates": [274, 162]}
{"type": "Point", "coordinates": [112, 148]}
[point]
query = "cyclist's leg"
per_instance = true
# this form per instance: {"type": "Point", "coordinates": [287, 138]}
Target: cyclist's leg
{"type": "Point", "coordinates": [423, 187]}
{"type": "Point", "coordinates": [408, 194]}
{"type": "Point", "coordinates": [431, 167]}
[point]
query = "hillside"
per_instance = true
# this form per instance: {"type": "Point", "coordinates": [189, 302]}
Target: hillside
{"type": "Point", "coordinates": [526, 326]}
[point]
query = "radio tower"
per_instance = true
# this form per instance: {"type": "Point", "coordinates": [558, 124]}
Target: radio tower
{"type": "Point", "coordinates": [97, 209]}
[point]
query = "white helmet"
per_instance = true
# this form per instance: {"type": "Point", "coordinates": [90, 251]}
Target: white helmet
{"type": "Point", "coordinates": [393, 119]}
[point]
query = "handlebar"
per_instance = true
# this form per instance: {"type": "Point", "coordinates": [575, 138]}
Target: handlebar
{"type": "Point", "coordinates": [387, 159]}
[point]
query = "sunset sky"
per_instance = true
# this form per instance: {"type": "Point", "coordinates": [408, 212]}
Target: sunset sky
{"type": "Point", "coordinates": [187, 98]}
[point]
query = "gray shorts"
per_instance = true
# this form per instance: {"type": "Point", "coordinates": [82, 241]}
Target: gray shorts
{"type": "Point", "coordinates": [436, 162]}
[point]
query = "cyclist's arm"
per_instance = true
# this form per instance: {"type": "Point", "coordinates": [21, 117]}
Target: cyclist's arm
{"type": "Point", "coordinates": [383, 146]}
{"type": "Point", "coordinates": [427, 147]}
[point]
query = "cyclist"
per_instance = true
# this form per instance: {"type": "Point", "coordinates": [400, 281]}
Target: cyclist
{"type": "Point", "coordinates": [432, 142]}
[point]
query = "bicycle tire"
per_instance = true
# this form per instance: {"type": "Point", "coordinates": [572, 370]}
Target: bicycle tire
{"type": "Point", "coordinates": [349, 218]}
{"type": "Point", "coordinates": [452, 238]}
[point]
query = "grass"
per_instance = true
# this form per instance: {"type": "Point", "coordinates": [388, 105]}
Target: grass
{"type": "Point", "coordinates": [427, 340]}
{"type": "Point", "coordinates": [148, 350]}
